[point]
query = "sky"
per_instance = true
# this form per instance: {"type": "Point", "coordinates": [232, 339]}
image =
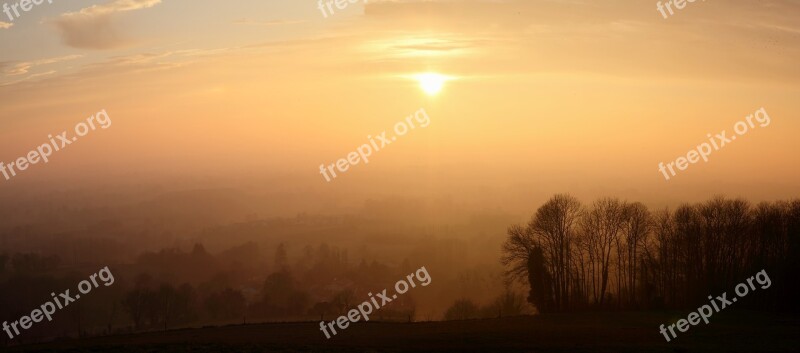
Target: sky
{"type": "Point", "coordinates": [538, 96]}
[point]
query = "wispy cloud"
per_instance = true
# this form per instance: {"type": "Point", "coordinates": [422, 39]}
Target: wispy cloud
{"type": "Point", "coordinates": [28, 78]}
{"type": "Point", "coordinates": [142, 63]}
{"type": "Point", "coordinates": [24, 67]}
{"type": "Point", "coordinates": [93, 27]}
{"type": "Point", "coordinates": [251, 22]}
{"type": "Point", "coordinates": [120, 65]}
{"type": "Point", "coordinates": [5, 25]}
{"type": "Point", "coordinates": [116, 6]}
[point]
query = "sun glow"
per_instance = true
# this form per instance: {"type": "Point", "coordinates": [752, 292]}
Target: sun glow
{"type": "Point", "coordinates": [431, 83]}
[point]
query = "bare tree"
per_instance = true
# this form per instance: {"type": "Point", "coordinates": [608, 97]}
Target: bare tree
{"type": "Point", "coordinates": [517, 249]}
{"type": "Point", "coordinates": [546, 242]}
{"type": "Point", "coordinates": [600, 228]}
{"type": "Point", "coordinates": [630, 246]}
{"type": "Point", "coordinates": [661, 260]}
{"type": "Point", "coordinates": [553, 228]}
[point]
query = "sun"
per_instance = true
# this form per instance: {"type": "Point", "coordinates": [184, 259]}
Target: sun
{"type": "Point", "coordinates": [431, 83]}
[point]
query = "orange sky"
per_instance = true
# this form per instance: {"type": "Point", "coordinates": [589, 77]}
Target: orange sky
{"type": "Point", "coordinates": [547, 96]}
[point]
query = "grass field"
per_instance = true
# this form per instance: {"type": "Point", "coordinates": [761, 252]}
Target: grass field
{"type": "Point", "coordinates": [603, 332]}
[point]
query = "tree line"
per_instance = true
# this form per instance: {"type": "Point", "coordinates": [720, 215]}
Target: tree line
{"type": "Point", "coordinates": [615, 254]}
{"type": "Point", "coordinates": [172, 288]}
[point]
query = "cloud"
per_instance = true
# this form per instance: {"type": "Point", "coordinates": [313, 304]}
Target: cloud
{"type": "Point", "coordinates": [94, 27]}
{"type": "Point", "coordinates": [31, 77]}
{"type": "Point", "coordinates": [580, 36]}
{"type": "Point", "coordinates": [142, 63]}
{"type": "Point", "coordinates": [116, 6]}
{"type": "Point", "coordinates": [247, 21]}
{"type": "Point", "coordinates": [24, 67]}
{"type": "Point", "coordinates": [5, 25]}
{"type": "Point", "coordinates": [114, 66]}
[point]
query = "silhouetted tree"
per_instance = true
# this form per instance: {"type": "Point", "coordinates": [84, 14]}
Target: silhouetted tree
{"type": "Point", "coordinates": [553, 228]}
{"type": "Point", "coordinates": [34, 263]}
{"type": "Point", "coordinates": [321, 309]}
{"type": "Point", "coordinates": [343, 300]}
{"type": "Point", "coordinates": [133, 303]}
{"type": "Point", "coordinates": [281, 260]}
{"type": "Point", "coordinates": [226, 305]}
{"type": "Point", "coordinates": [509, 303]}
{"type": "Point", "coordinates": [630, 246]}
{"type": "Point", "coordinates": [667, 259]}
{"type": "Point", "coordinates": [3, 260]}
{"type": "Point", "coordinates": [524, 259]}
{"type": "Point", "coordinates": [541, 283]}
{"type": "Point", "coordinates": [280, 297]}
{"type": "Point", "coordinates": [462, 309]}
{"type": "Point", "coordinates": [600, 228]}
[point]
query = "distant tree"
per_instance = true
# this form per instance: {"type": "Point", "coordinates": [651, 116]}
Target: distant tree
{"type": "Point", "coordinates": [402, 308]}
{"type": "Point", "coordinates": [343, 300]}
{"type": "Point", "coordinates": [306, 260]}
{"type": "Point", "coordinates": [199, 250]}
{"type": "Point", "coordinates": [462, 309]}
{"type": "Point", "coordinates": [133, 303]}
{"type": "Point", "coordinates": [278, 288]}
{"type": "Point", "coordinates": [111, 315]}
{"type": "Point", "coordinates": [280, 297]}
{"type": "Point", "coordinates": [226, 304]}
{"type": "Point", "coordinates": [185, 303]}
{"type": "Point", "coordinates": [3, 261]}
{"type": "Point", "coordinates": [281, 260]}
{"type": "Point", "coordinates": [141, 301]}
{"type": "Point", "coordinates": [321, 309]}
{"type": "Point", "coordinates": [509, 303]}
{"type": "Point", "coordinates": [298, 303]}
{"type": "Point", "coordinates": [153, 307]}
{"type": "Point", "coordinates": [167, 298]}
{"type": "Point", "coordinates": [34, 263]}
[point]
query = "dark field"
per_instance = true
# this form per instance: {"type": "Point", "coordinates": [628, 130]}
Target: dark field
{"type": "Point", "coordinates": [606, 332]}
